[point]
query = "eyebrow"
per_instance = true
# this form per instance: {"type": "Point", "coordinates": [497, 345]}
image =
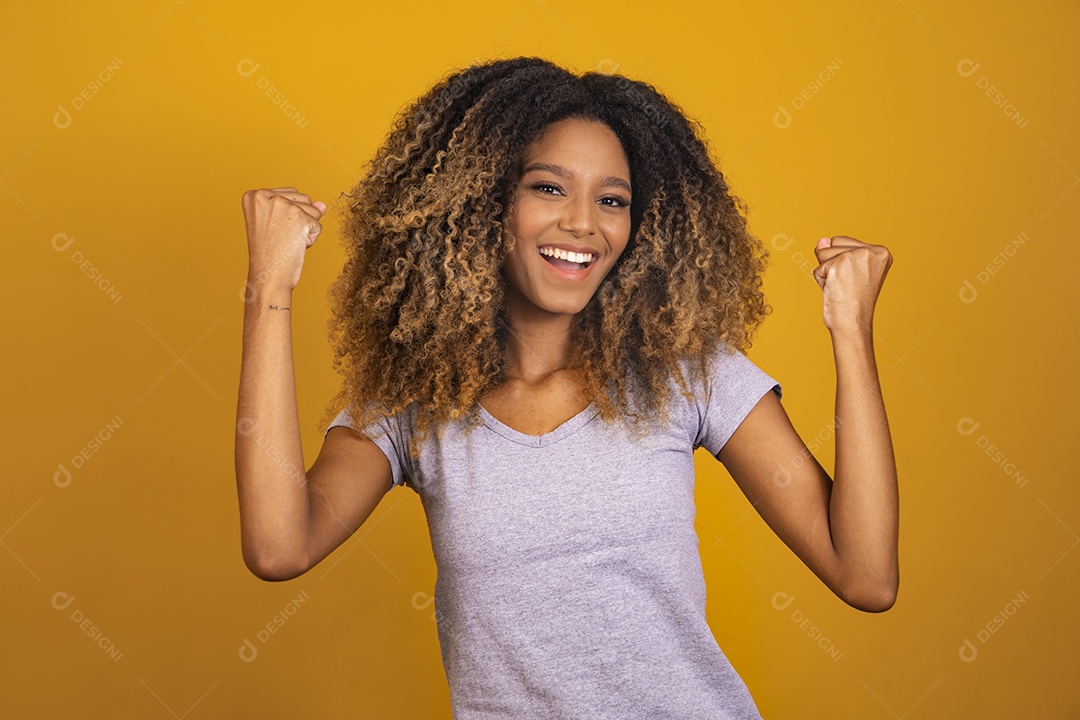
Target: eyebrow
{"type": "Point", "coordinates": [563, 172]}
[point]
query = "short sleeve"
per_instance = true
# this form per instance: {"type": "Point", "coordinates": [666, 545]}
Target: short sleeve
{"type": "Point", "coordinates": [734, 387]}
{"type": "Point", "coordinates": [384, 432]}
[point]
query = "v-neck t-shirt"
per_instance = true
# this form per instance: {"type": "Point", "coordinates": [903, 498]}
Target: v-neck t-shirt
{"type": "Point", "coordinates": [569, 580]}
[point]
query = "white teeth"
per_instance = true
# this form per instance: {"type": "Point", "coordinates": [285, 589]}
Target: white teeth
{"type": "Point", "coordinates": [567, 255]}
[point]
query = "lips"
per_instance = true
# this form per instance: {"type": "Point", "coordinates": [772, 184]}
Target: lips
{"type": "Point", "coordinates": [565, 269]}
{"type": "Point", "coordinates": [564, 264]}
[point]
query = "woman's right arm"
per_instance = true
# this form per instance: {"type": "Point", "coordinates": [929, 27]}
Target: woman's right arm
{"type": "Point", "coordinates": [290, 519]}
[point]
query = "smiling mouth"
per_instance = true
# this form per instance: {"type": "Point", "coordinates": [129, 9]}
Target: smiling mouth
{"type": "Point", "coordinates": [566, 260]}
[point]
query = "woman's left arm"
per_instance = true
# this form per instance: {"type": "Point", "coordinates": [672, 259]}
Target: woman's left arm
{"type": "Point", "coordinates": [846, 530]}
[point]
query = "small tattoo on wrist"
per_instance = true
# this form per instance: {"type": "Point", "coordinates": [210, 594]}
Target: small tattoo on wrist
{"type": "Point", "coordinates": [275, 307]}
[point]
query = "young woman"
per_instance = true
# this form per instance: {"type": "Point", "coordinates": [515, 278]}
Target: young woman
{"type": "Point", "coordinates": [547, 296]}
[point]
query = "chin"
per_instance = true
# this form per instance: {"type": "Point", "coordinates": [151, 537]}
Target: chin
{"type": "Point", "coordinates": [564, 307]}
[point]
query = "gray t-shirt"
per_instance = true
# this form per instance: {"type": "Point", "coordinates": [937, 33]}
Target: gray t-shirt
{"type": "Point", "coordinates": [569, 579]}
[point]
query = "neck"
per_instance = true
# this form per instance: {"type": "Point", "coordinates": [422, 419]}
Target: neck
{"type": "Point", "coordinates": [538, 344]}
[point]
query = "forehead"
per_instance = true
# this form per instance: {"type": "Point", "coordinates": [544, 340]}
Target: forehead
{"type": "Point", "coordinates": [578, 142]}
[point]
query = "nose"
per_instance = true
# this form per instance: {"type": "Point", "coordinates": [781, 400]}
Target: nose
{"type": "Point", "coordinates": [579, 217]}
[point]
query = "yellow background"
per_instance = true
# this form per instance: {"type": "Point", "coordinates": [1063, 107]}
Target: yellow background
{"type": "Point", "coordinates": [897, 146]}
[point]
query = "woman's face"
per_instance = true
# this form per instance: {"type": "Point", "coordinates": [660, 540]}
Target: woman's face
{"type": "Point", "coordinates": [570, 216]}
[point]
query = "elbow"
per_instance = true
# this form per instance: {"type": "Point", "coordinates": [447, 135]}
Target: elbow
{"type": "Point", "coordinates": [273, 569]}
{"type": "Point", "coordinates": [876, 603]}
{"type": "Point", "coordinates": [871, 591]}
{"type": "Point", "coordinates": [872, 598]}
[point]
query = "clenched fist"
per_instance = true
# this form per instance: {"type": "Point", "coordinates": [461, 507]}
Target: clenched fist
{"type": "Point", "coordinates": [281, 225]}
{"type": "Point", "coordinates": [851, 273]}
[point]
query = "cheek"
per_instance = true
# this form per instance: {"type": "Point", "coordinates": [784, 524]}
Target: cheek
{"type": "Point", "coordinates": [514, 266]}
{"type": "Point", "coordinates": [532, 216]}
{"type": "Point", "coordinates": [619, 233]}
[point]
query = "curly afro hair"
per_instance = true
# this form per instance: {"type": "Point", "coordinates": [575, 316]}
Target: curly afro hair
{"type": "Point", "coordinates": [417, 313]}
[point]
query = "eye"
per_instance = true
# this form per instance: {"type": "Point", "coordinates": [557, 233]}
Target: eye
{"type": "Point", "coordinates": [540, 186]}
{"type": "Point", "coordinates": [618, 201]}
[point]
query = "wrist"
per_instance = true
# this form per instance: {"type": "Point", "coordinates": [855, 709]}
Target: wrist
{"type": "Point", "coordinates": [265, 290]}
{"type": "Point", "coordinates": [853, 334]}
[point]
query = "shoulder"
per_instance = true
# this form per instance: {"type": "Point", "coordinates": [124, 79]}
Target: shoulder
{"type": "Point", "coordinates": [725, 385]}
{"type": "Point", "coordinates": [378, 420]}
{"type": "Point", "coordinates": [723, 369]}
